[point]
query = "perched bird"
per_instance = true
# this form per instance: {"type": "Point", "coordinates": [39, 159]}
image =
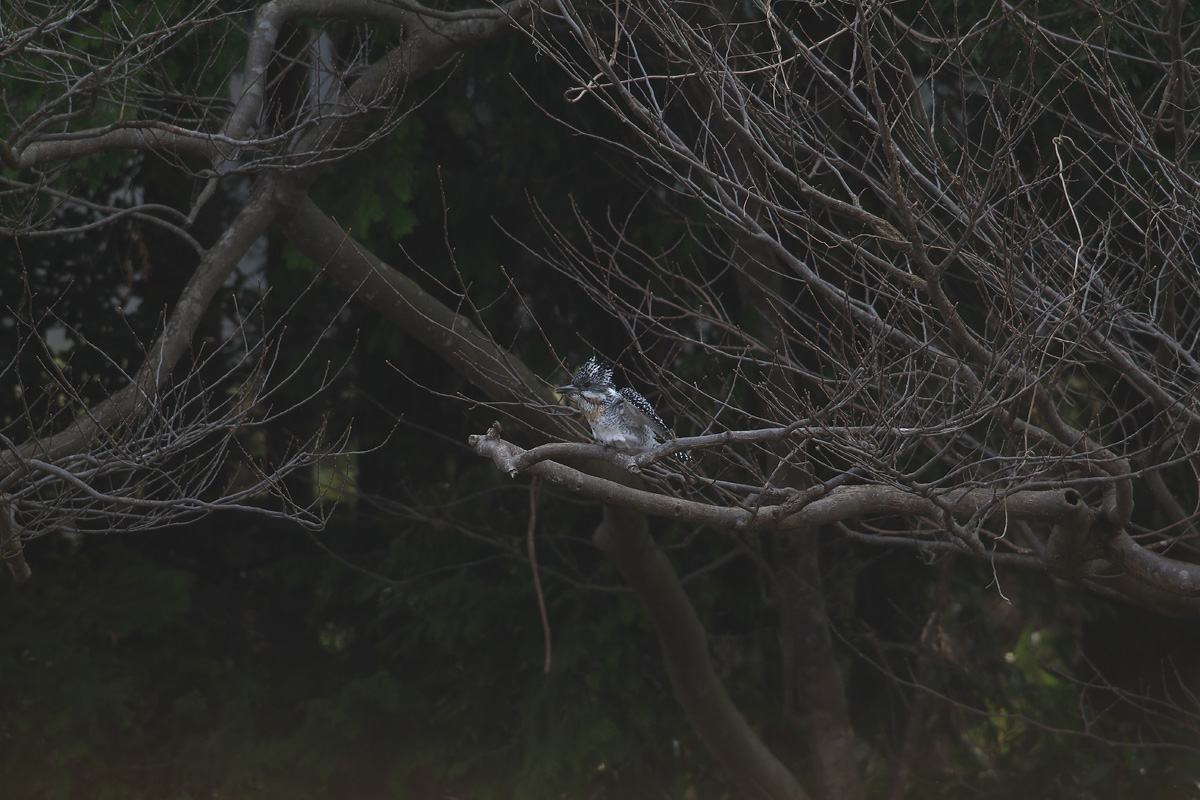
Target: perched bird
{"type": "Point", "coordinates": [619, 418]}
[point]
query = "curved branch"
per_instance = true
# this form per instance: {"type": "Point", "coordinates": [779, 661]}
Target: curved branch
{"type": "Point", "coordinates": [1167, 574]}
{"type": "Point", "coordinates": [419, 53]}
{"type": "Point", "coordinates": [156, 137]}
{"type": "Point", "coordinates": [841, 503]}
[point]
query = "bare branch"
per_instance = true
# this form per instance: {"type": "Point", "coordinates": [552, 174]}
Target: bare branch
{"type": "Point", "coordinates": [847, 502]}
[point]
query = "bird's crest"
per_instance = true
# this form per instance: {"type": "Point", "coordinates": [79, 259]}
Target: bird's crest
{"type": "Point", "coordinates": [593, 375]}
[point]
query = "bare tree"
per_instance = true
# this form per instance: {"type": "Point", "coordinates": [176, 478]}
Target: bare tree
{"type": "Point", "coordinates": [969, 255]}
{"type": "Point", "coordinates": [945, 321]}
{"type": "Point", "coordinates": [205, 89]}
{"type": "Point", "coordinates": [965, 314]}
{"type": "Point", "coordinates": [170, 464]}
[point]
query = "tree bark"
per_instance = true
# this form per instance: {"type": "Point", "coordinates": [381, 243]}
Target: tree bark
{"type": "Point", "coordinates": [819, 693]}
{"type": "Point", "coordinates": [625, 538]}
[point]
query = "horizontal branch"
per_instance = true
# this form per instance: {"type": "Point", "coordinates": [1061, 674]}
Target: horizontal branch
{"type": "Point", "coordinates": [841, 503]}
{"type": "Point", "coordinates": [1151, 578]}
{"type": "Point", "coordinates": [156, 137]}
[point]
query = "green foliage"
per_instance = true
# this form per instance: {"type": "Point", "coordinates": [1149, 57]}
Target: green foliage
{"type": "Point", "coordinates": [372, 197]}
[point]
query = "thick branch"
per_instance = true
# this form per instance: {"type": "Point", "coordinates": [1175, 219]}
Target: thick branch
{"type": "Point", "coordinates": [11, 550]}
{"type": "Point", "coordinates": [157, 138]}
{"type": "Point", "coordinates": [841, 503]}
{"type": "Point", "coordinates": [404, 303]}
{"type": "Point", "coordinates": [1174, 577]}
{"type": "Point", "coordinates": [136, 398]}
{"type": "Point", "coordinates": [624, 537]}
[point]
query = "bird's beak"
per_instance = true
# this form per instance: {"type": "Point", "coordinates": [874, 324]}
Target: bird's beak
{"type": "Point", "coordinates": [565, 393]}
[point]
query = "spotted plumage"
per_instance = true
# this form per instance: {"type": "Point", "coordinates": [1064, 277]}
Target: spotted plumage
{"type": "Point", "coordinates": [619, 418]}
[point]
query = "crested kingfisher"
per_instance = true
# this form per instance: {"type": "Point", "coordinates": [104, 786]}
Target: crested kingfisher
{"type": "Point", "coordinates": [619, 418]}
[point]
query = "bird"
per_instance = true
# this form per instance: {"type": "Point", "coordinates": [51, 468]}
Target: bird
{"type": "Point", "coordinates": [619, 418]}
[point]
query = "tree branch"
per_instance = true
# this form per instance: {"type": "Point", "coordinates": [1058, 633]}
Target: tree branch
{"type": "Point", "coordinates": [138, 396]}
{"type": "Point", "coordinates": [841, 503]}
{"type": "Point", "coordinates": [501, 376]}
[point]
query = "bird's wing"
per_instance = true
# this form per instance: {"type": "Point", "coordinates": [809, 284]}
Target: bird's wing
{"type": "Point", "coordinates": [641, 410]}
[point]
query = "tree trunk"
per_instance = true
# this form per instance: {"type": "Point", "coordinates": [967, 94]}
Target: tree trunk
{"type": "Point", "coordinates": [811, 670]}
{"type": "Point", "coordinates": [624, 537]}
